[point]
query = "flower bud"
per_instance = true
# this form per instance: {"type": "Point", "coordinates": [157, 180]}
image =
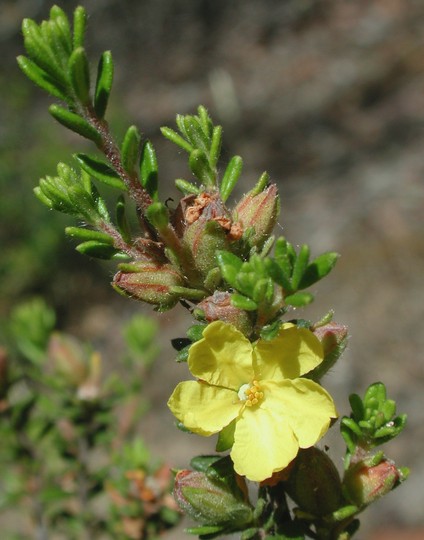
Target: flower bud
{"type": "Point", "coordinates": [260, 211]}
{"type": "Point", "coordinates": [149, 282]}
{"type": "Point", "coordinates": [203, 238]}
{"type": "Point", "coordinates": [218, 307]}
{"type": "Point", "coordinates": [363, 484]}
{"type": "Point", "coordinates": [314, 482]}
{"type": "Point", "coordinates": [332, 336]}
{"type": "Point", "coordinates": [210, 501]}
{"type": "Point", "coordinates": [68, 358]}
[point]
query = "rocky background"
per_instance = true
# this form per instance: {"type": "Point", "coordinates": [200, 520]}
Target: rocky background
{"type": "Point", "coordinates": [328, 97]}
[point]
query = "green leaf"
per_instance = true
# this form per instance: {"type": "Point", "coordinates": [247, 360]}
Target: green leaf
{"type": "Point", "coordinates": [42, 79]}
{"type": "Point", "coordinates": [299, 299]}
{"type": "Point", "coordinates": [100, 170]}
{"type": "Point", "coordinates": [357, 407]}
{"type": "Point", "coordinates": [174, 137]}
{"type": "Point", "coordinates": [283, 257]}
{"type": "Point", "coordinates": [195, 134]}
{"type": "Point", "coordinates": [103, 83]}
{"type": "Point", "coordinates": [74, 122]}
{"type": "Point", "coordinates": [226, 437]}
{"type": "Point", "coordinates": [149, 170]}
{"type": "Point", "coordinates": [231, 176]}
{"type": "Point", "coordinates": [62, 24]}
{"type": "Point", "coordinates": [242, 302]}
{"type": "Point", "coordinates": [186, 188]}
{"type": "Point", "coordinates": [205, 121]}
{"type": "Point", "coordinates": [131, 150]}
{"type": "Point", "coordinates": [276, 272]}
{"type": "Point", "coordinates": [215, 150]}
{"type": "Point", "coordinates": [79, 73]}
{"type": "Point", "coordinates": [230, 266]}
{"type": "Point", "coordinates": [195, 332]}
{"type": "Point", "coordinates": [88, 234]}
{"type": "Point", "coordinates": [39, 50]}
{"type": "Point", "coordinates": [100, 250]}
{"type": "Point", "coordinates": [80, 23]}
{"type": "Point", "coordinates": [300, 266]}
{"type": "Point", "coordinates": [199, 166]}
{"type": "Point", "coordinates": [318, 269]}
{"type": "Point", "coordinates": [122, 221]}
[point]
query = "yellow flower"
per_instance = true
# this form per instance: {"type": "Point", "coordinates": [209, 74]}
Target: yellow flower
{"type": "Point", "coordinates": [258, 385]}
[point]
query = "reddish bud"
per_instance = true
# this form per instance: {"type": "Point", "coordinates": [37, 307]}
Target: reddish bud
{"type": "Point", "coordinates": [332, 336]}
{"type": "Point", "coordinates": [258, 211]}
{"type": "Point", "coordinates": [363, 484]}
{"type": "Point", "coordinates": [149, 282]}
{"type": "Point", "coordinates": [218, 307]}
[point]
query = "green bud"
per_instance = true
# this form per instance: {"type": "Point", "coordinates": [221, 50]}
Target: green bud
{"type": "Point", "coordinates": [218, 307]}
{"type": "Point", "coordinates": [149, 282]}
{"type": "Point", "coordinates": [314, 483]}
{"type": "Point", "coordinates": [211, 501]}
{"type": "Point", "coordinates": [207, 229]}
{"type": "Point", "coordinates": [364, 483]}
{"type": "Point", "coordinates": [258, 211]}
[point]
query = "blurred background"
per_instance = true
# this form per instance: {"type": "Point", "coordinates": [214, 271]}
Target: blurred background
{"type": "Point", "coordinates": [328, 97]}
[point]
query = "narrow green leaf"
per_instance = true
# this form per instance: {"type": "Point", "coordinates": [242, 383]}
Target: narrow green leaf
{"type": "Point", "coordinates": [100, 170]}
{"type": "Point", "coordinates": [300, 266]}
{"type": "Point", "coordinates": [149, 170]}
{"type": "Point", "coordinates": [53, 38]}
{"type": "Point", "coordinates": [103, 83]}
{"type": "Point", "coordinates": [195, 134]}
{"type": "Point", "coordinates": [42, 79]}
{"type": "Point", "coordinates": [80, 23]}
{"type": "Point", "coordinates": [282, 256]}
{"type": "Point", "coordinates": [231, 176]}
{"type": "Point", "coordinates": [199, 166]}
{"type": "Point", "coordinates": [187, 188]}
{"type": "Point", "coordinates": [242, 302]}
{"type": "Point", "coordinates": [318, 269]}
{"type": "Point", "coordinates": [195, 332]}
{"type": "Point", "coordinates": [205, 121]}
{"type": "Point", "coordinates": [40, 52]}
{"type": "Point", "coordinates": [74, 122]}
{"type": "Point", "coordinates": [62, 23]}
{"type": "Point", "coordinates": [230, 266]}
{"type": "Point", "coordinates": [357, 407]}
{"type": "Point", "coordinates": [42, 197]}
{"type": "Point", "coordinates": [131, 149]}
{"type": "Point", "coordinates": [122, 221]}
{"type": "Point", "coordinates": [299, 299]}
{"type": "Point", "coordinates": [100, 250]}
{"type": "Point", "coordinates": [173, 136]}
{"type": "Point", "coordinates": [352, 425]}
{"type": "Point", "coordinates": [388, 409]}
{"type": "Point", "coordinates": [215, 150]}
{"type": "Point", "coordinates": [89, 234]}
{"type": "Point", "coordinates": [79, 73]}
{"type": "Point", "coordinates": [261, 184]}
{"type": "Point", "coordinates": [277, 274]}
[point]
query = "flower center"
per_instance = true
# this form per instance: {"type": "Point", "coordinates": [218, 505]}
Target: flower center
{"type": "Point", "coordinates": [251, 393]}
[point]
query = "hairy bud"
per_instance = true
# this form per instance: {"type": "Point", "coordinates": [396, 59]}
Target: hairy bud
{"type": "Point", "coordinates": [210, 501]}
{"type": "Point", "coordinates": [149, 282]}
{"type": "Point", "coordinates": [363, 483]}
{"type": "Point", "coordinates": [258, 211]}
{"type": "Point", "coordinates": [218, 307]}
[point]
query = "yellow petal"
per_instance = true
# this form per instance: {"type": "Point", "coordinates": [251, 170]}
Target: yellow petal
{"type": "Point", "coordinates": [223, 357]}
{"type": "Point", "coordinates": [264, 443]}
{"type": "Point", "coordinates": [204, 409]}
{"type": "Point", "coordinates": [305, 404]}
{"type": "Point", "coordinates": [294, 352]}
